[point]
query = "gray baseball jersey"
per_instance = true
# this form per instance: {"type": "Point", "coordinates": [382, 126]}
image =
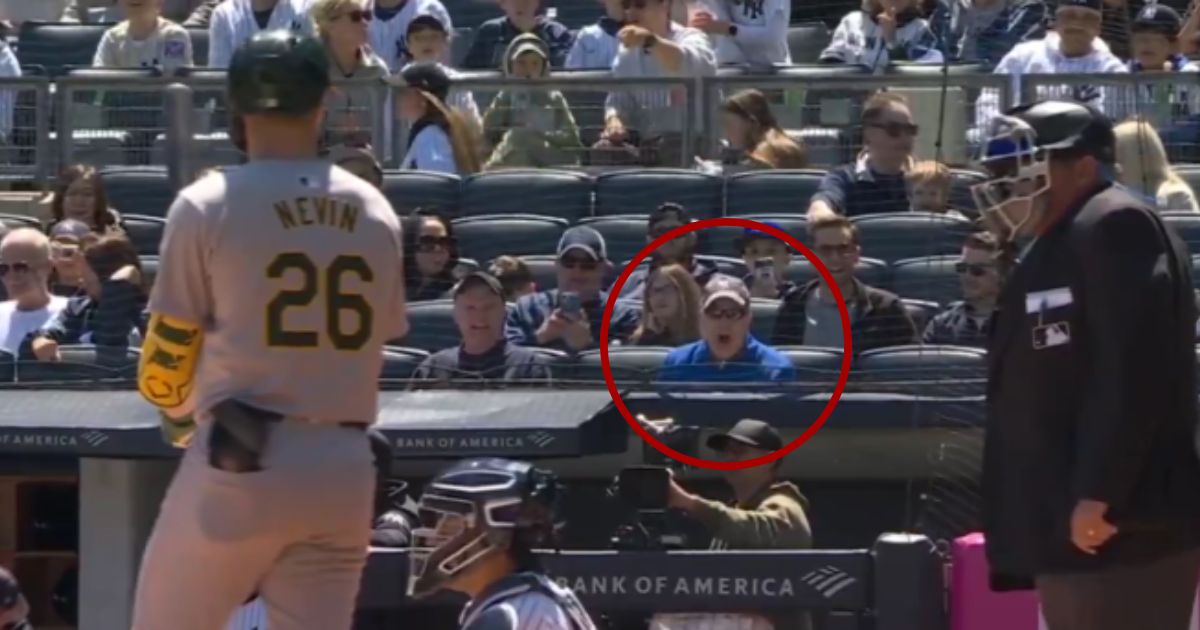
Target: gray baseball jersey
{"type": "Point", "coordinates": [293, 270]}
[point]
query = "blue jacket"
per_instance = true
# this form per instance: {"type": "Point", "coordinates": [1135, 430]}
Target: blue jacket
{"type": "Point", "coordinates": [527, 315]}
{"type": "Point", "coordinates": [694, 363]}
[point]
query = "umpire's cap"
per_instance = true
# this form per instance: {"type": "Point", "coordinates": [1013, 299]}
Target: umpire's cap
{"type": "Point", "coordinates": [278, 71]}
{"type": "Point", "coordinates": [1057, 125]}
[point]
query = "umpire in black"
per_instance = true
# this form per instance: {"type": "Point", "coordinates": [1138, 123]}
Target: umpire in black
{"type": "Point", "coordinates": [1091, 478]}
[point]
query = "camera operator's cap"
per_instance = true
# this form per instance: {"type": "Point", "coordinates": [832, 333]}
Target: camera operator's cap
{"type": "Point", "coordinates": [10, 591]}
{"type": "Point", "coordinates": [723, 287]}
{"type": "Point", "coordinates": [750, 432]}
{"type": "Point", "coordinates": [1095, 5]}
{"type": "Point", "coordinates": [584, 239]}
{"type": "Point", "coordinates": [479, 279]}
{"type": "Point", "coordinates": [1158, 18]}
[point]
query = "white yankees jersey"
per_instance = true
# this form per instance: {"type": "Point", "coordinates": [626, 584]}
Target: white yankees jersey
{"type": "Point", "coordinates": [233, 23]}
{"type": "Point", "coordinates": [761, 38]}
{"type": "Point", "coordinates": [169, 47]}
{"type": "Point", "coordinates": [9, 67]}
{"type": "Point", "coordinates": [388, 37]}
{"type": "Point", "coordinates": [595, 46]}
{"type": "Point", "coordinates": [1044, 56]}
{"type": "Point", "coordinates": [526, 601]}
{"type": "Point", "coordinates": [252, 616]}
{"type": "Point", "coordinates": [859, 40]}
{"type": "Point", "coordinates": [653, 111]}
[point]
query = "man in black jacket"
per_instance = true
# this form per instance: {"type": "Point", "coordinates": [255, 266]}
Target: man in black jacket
{"type": "Point", "coordinates": [809, 315]}
{"type": "Point", "coordinates": [1091, 479]}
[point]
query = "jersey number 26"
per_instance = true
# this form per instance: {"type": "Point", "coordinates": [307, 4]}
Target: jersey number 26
{"type": "Point", "coordinates": [326, 283]}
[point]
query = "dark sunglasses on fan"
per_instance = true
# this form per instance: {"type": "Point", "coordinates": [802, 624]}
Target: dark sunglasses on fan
{"type": "Point", "coordinates": [896, 129]}
{"type": "Point", "coordinates": [431, 243]}
{"type": "Point", "coordinates": [19, 267]}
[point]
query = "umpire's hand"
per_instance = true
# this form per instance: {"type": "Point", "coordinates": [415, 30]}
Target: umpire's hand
{"type": "Point", "coordinates": [1089, 530]}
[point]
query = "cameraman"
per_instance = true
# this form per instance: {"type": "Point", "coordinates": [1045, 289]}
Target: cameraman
{"type": "Point", "coordinates": [766, 513]}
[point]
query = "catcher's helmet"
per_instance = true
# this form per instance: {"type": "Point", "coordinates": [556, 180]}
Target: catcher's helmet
{"type": "Point", "coordinates": [278, 71]}
{"type": "Point", "coordinates": [1019, 143]}
{"type": "Point", "coordinates": [477, 508]}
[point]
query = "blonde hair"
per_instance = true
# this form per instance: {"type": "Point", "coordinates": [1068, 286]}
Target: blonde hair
{"type": "Point", "coordinates": [1142, 159]}
{"type": "Point", "coordinates": [929, 172]}
{"type": "Point", "coordinates": [323, 12]}
{"type": "Point", "coordinates": [685, 327]}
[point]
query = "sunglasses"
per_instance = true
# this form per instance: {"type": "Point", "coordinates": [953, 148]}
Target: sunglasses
{"type": "Point", "coordinates": [18, 267]}
{"type": "Point", "coordinates": [725, 313]}
{"type": "Point", "coordinates": [433, 243]}
{"type": "Point", "coordinates": [357, 16]}
{"type": "Point", "coordinates": [896, 129]}
{"type": "Point", "coordinates": [572, 262]}
{"type": "Point", "coordinates": [975, 269]}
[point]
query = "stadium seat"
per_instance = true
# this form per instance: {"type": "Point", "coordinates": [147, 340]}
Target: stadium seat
{"type": "Point", "coordinates": [920, 311]}
{"type": "Point", "coordinates": [8, 368]}
{"type": "Point", "coordinates": [624, 235]}
{"type": "Point", "coordinates": [82, 363]}
{"type": "Point", "coordinates": [484, 238]}
{"type": "Point", "coordinates": [1187, 226]}
{"type": "Point", "coordinates": [149, 270]}
{"type": "Point", "coordinates": [408, 190]}
{"type": "Point", "coordinates": [817, 369]}
{"type": "Point", "coordinates": [771, 192]}
{"type": "Point", "coordinates": [562, 194]}
{"type": "Point", "coordinates": [765, 312]}
{"type": "Point", "coordinates": [542, 267]}
{"type": "Point", "coordinates": [929, 278]}
{"type": "Point", "coordinates": [1196, 271]}
{"type": "Point", "coordinates": [874, 273]}
{"type": "Point", "coordinates": [807, 40]}
{"type": "Point", "coordinates": [400, 363]}
{"type": "Point", "coordinates": [727, 265]}
{"type": "Point", "coordinates": [894, 236]}
{"type": "Point", "coordinates": [56, 46]}
{"type": "Point", "coordinates": [199, 37]}
{"type": "Point", "coordinates": [141, 190]}
{"type": "Point", "coordinates": [14, 221]}
{"type": "Point", "coordinates": [938, 371]}
{"type": "Point", "coordinates": [641, 191]}
{"type": "Point", "coordinates": [630, 364]}
{"type": "Point", "coordinates": [722, 240]}
{"type": "Point", "coordinates": [431, 326]}
{"type": "Point", "coordinates": [145, 232]}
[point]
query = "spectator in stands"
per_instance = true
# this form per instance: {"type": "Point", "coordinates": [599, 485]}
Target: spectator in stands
{"type": "Point", "coordinates": [10, 68]}
{"type": "Point", "coordinates": [358, 160]}
{"type": "Point", "coordinates": [755, 137]}
{"type": "Point", "coordinates": [235, 21]}
{"type": "Point", "coordinates": [79, 194]}
{"type": "Point", "coordinates": [681, 249]}
{"type": "Point", "coordinates": [980, 270]}
{"type": "Point", "coordinates": [766, 513]}
{"type": "Point", "coordinates": [929, 183]}
{"type": "Point", "coordinates": [983, 31]}
{"type": "Point", "coordinates": [16, 12]}
{"type": "Point", "coordinates": [768, 259]}
{"type": "Point", "coordinates": [440, 139]}
{"type": "Point", "coordinates": [25, 271]}
{"type": "Point", "coordinates": [514, 276]}
{"type": "Point", "coordinates": [1173, 108]}
{"type": "Point", "coordinates": [596, 45]}
{"type": "Point", "coordinates": [110, 313]}
{"type": "Point", "coordinates": [809, 314]}
{"type": "Point", "coordinates": [110, 11]}
{"type": "Point", "coordinates": [489, 48]}
{"type": "Point", "coordinates": [670, 309]}
{"type": "Point", "coordinates": [342, 27]}
{"type": "Point", "coordinates": [726, 351]}
{"type": "Point", "coordinates": [67, 238]}
{"type": "Point", "coordinates": [428, 40]}
{"type": "Point", "coordinates": [14, 609]}
{"type": "Point", "coordinates": [875, 182]}
{"type": "Point", "coordinates": [391, 31]}
{"type": "Point", "coordinates": [144, 40]}
{"type": "Point", "coordinates": [530, 127]}
{"type": "Point", "coordinates": [747, 33]}
{"type": "Point", "coordinates": [654, 46]}
{"type": "Point", "coordinates": [479, 314]}
{"type": "Point", "coordinates": [1142, 166]}
{"type": "Point", "coordinates": [568, 318]}
{"type": "Point", "coordinates": [1073, 47]}
{"type": "Point", "coordinates": [882, 32]}
{"type": "Point", "coordinates": [430, 255]}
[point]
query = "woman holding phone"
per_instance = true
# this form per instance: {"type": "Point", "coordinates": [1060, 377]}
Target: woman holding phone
{"type": "Point", "coordinates": [671, 309]}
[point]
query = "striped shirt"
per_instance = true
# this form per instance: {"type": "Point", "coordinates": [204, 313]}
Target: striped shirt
{"type": "Point", "coordinates": [958, 325]}
{"type": "Point", "coordinates": [233, 23]}
{"type": "Point", "coordinates": [654, 111]}
{"type": "Point", "coordinates": [252, 616]}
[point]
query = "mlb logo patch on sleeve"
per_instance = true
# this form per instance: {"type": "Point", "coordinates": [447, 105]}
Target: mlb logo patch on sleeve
{"type": "Point", "coordinates": [173, 48]}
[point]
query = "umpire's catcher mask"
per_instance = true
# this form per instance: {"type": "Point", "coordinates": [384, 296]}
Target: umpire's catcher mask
{"type": "Point", "coordinates": [474, 510]}
{"type": "Point", "coordinates": [1017, 174]}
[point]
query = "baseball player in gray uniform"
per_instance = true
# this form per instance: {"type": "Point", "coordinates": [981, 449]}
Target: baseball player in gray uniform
{"type": "Point", "coordinates": [279, 283]}
{"type": "Point", "coordinates": [480, 521]}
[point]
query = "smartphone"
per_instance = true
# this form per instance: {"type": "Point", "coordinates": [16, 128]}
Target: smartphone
{"type": "Point", "coordinates": [644, 487]}
{"type": "Point", "coordinates": [569, 303]}
{"type": "Point", "coordinates": [764, 271]}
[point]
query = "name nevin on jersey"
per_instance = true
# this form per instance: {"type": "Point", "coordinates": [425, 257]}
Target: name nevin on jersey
{"type": "Point", "coordinates": [324, 211]}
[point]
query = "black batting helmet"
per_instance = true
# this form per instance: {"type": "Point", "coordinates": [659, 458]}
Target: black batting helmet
{"type": "Point", "coordinates": [477, 508]}
{"type": "Point", "coordinates": [278, 71]}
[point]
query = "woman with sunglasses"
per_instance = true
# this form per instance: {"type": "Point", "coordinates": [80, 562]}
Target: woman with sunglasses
{"type": "Point", "coordinates": [755, 137]}
{"type": "Point", "coordinates": [342, 27]}
{"type": "Point", "coordinates": [67, 238]}
{"type": "Point", "coordinates": [79, 194]}
{"type": "Point", "coordinates": [670, 309]}
{"type": "Point", "coordinates": [430, 256]}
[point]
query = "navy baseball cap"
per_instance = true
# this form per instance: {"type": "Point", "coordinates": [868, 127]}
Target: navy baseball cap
{"type": "Point", "coordinates": [1157, 18]}
{"type": "Point", "coordinates": [1095, 5]}
{"type": "Point", "coordinates": [584, 239]}
{"type": "Point", "coordinates": [749, 234]}
{"type": "Point", "coordinates": [426, 20]}
{"type": "Point", "coordinates": [476, 279]}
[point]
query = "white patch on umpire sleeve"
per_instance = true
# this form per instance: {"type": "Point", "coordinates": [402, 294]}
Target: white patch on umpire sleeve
{"type": "Point", "coordinates": [1038, 301]}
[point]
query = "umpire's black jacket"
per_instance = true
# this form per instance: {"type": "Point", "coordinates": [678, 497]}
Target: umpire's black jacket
{"type": "Point", "coordinates": [1105, 406]}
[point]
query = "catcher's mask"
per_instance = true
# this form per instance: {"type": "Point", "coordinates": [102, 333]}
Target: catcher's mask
{"type": "Point", "coordinates": [1018, 172]}
{"type": "Point", "coordinates": [474, 510]}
